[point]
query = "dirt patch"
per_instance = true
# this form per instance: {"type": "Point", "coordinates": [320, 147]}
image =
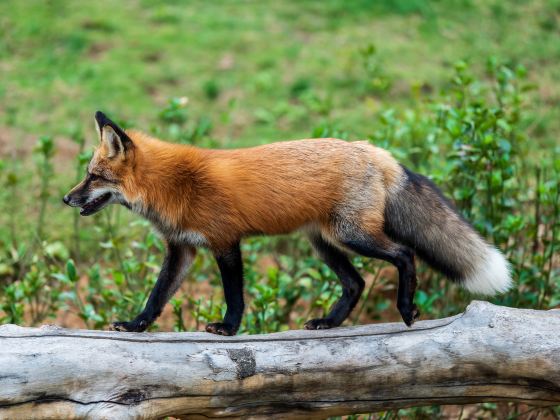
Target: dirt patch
{"type": "Point", "coordinates": [97, 25]}
{"type": "Point", "coordinates": [15, 144]}
{"type": "Point", "coordinates": [97, 50]}
{"type": "Point", "coordinates": [227, 62]}
{"type": "Point", "coordinates": [152, 57]}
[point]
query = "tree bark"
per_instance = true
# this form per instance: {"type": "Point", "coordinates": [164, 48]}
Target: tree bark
{"type": "Point", "coordinates": [488, 353]}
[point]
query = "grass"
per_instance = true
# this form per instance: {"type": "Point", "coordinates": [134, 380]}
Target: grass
{"type": "Point", "coordinates": [62, 60]}
{"type": "Point", "coordinates": [258, 71]}
{"type": "Point", "coordinates": [463, 90]}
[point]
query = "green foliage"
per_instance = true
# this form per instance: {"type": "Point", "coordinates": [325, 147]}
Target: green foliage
{"type": "Point", "coordinates": [44, 151]}
{"type": "Point", "coordinates": [211, 89]}
{"type": "Point", "coordinates": [378, 70]}
{"type": "Point", "coordinates": [177, 125]}
{"type": "Point", "coordinates": [469, 137]}
{"type": "Point", "coordinates": [476, 147]}
{"type": "Point", "coordinates": [376, 80]}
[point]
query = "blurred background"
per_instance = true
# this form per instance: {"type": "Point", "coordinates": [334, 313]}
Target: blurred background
{"type": "Point", "coordinates": [463, 91]}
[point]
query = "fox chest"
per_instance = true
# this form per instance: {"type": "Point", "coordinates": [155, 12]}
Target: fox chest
{"type": "Point", "coordinates": [186, 237]}
{"type": "Point", "coordinates": [177, 235]}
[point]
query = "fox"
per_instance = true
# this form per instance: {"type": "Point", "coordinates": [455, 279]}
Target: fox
{"type": "Point", "coordinates": [346, 197]}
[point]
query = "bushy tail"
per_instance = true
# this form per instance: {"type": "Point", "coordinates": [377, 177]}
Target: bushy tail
{"type": "Point", "coordinates": [419, 216]}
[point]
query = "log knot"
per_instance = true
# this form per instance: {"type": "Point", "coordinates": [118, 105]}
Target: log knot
{"type": "Point", "coordinates": [132, 396]}
{"type": "Point", "coordinates": [244, 360]}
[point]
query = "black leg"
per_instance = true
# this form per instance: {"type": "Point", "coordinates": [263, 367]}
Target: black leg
{"type": "Point", "coordinates": [231, 269]}
{"type": "Point", "coordinates": [401, 257]}
{"type": "Point", "coordinates": [173, 270]}
{"type": "Point", "coordinates": [407, 288]}
{"type": "Point", "coordinates": [352, 284]}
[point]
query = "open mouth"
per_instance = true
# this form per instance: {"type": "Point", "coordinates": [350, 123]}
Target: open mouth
{"type": "Point", "coordinates": [95, 205]}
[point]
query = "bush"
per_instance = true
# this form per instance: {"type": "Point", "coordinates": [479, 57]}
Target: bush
{"type": "Point", "coordinates": [470, 139]}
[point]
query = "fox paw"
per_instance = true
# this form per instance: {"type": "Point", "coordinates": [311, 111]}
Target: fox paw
{"type": "Point", "coordinates": [221, 328]}
{"type": "Point", "coordinates": [131, 326]}
{"type": "Point", "coordinates": [319, 324]}
{"type": "Point", "coordinates": [410, 314]}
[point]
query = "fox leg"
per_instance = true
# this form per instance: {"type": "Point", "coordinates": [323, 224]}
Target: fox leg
{"type": "Point", "coordinates": [352, 284]}
{"type": "Point", "coordinates": [177, 260]}
{"type": "Point", "coordinates": [381, 247]}
{"type": "Point", "coordinates": [231, 269]}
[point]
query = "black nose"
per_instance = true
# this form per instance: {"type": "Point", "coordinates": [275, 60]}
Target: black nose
{"type": "Point", "coordinates": [66, 199]}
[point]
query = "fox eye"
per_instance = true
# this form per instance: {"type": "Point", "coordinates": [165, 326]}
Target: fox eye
{"type": "Point", "coordinates": [96, 177]}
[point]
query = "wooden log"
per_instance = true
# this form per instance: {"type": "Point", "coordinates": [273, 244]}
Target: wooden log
{"type": "Point", "coordinates": [488, 353]}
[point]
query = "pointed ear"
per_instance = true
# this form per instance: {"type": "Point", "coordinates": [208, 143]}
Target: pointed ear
{"type": "Point", "coordinates": [118, 143]}
{"type": "Point", "coordinates": [101, 120]}
{"type": "Point", "coordinates": [97, 126]}
{"type": "Point", "coordinates": [115, 145]}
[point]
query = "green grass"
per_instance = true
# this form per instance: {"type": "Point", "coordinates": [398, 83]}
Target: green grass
{"type": "Point", "coordinates": [409, 75]}
{"type": "Point", "coordinates": [62, 60]}
{"type": "Point", "coordinates": [259, 71]}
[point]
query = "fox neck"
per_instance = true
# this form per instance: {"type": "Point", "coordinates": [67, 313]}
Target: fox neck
{"type": "Point", "coordinates": [166, 178]}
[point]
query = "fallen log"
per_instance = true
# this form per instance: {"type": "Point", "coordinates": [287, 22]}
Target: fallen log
{"type": "Point", "coordinates": [488, 353]}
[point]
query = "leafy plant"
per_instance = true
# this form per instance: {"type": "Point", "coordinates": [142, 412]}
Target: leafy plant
{"type": "Point", "coordinates": [471, 138]}
{"type": "Point", "coordinates": [44, 150]}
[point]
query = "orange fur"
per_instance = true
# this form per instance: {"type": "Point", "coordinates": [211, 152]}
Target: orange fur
{"type": "Point", "coordinates": [271, 189]}
{"type": "Point", "coordinates": [348, 195]}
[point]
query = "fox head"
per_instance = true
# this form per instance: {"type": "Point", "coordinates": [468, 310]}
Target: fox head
{"type": "Point", "coordinates": [109, 172]}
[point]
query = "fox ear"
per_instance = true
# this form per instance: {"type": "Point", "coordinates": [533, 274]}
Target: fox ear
{"type": "Point", "coordinates": [112, 135]}
{"type": "Point", "coordinates": [115, 145]}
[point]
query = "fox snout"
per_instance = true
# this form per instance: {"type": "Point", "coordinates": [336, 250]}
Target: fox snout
{"type": "Point", "coordinates": [71, 201]}
{"type": "Point", "coordinates": [89, 201]}
{"type": "Point", "coordinates": [76, 196]}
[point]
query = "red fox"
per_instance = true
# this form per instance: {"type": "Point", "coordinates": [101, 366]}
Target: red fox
{"type": "Point", "coordinates": [345, 196]}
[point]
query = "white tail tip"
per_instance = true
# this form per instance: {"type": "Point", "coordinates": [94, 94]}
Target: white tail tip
{"type": "Point", "coordinates": [491, 276]}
